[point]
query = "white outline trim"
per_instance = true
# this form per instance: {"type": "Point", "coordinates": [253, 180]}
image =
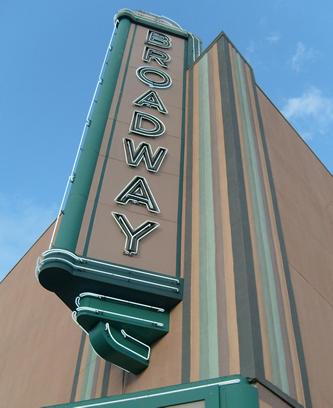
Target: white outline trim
{"type": "Point", "coordinates": [86, 260]}
{"type": "Point", "coordinates": [98, 311]}
{"type": "Point", "coordinates": [108, 329]}
{"type": "Point", "coordinates": [84, 294]}
{"type": "Point", "coordinates": [74, 317]}
{"type": "Point", "coordinates": [127, 278]}
{"type": "Point", "coordinates": [151, 154]}
{"type": "Point", "coordinates": [123, 332]}
{"type": "Point", "coordinates": [143, 132]}
{"type": "Point", "coordinates": [152, 203]}
{"type": "Point", "coordinates": [147, 46]}
{"type": "Point", "coordinates": [150, 30]}
{"type": "Point", "coordinates": [78, 324]}
{"type": "Point", "coordinates": [140, 397]}
{"type": "Point", "coordinates": [153, 84]}
{"type": "Point", "coordinates": [136, 249]}
{"type": "Point", "coordinates": [165, 112]}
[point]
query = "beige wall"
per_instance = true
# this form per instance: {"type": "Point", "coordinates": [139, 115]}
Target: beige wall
{"type": "Point", "coordinates": [269, 400]}
{"type": "Point", "coordinates": [305, 200]}
{"type": "Point", "coordinates": [38, 342]}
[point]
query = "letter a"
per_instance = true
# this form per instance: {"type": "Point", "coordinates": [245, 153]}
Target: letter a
{"type": "Point", "coordinates": [133, 236]}
{"type": "Point", "coordinates": [144, 153]}
{"type": "Point", "coordinates": [152, 100]}
{"type": "Point", "coordinates": [138, 192]}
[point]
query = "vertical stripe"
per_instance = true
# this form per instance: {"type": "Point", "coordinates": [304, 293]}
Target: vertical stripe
{"type": "Point", "coordinates": [83, 370]}
{"type": "Point", "coordinates": [77, 367]}
{"type": "Point", "coordinates": [106, 379]}
{"type": "Point", "coordinates": [232, 329]}
{"type": "Point", "coordinates": [89, 376]}
{"type": "Point", "coordinates": [195, 290]}
{"type": "Point", "coordinates": [220, 290]}
{"type": "Point", "coordinates": [186, 343]}
{"type": "Point", "coordinates": [208, 310]}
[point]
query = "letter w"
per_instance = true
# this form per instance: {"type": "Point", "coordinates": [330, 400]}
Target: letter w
{"type": "Point", "coordinates": [144, 152]}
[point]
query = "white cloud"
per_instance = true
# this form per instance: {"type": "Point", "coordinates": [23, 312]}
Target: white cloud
{"type": "Point", "coordinates": [312, 112]}
{"type": "Point", "coordinates": [21, 223]}
{"type": "Point", "coordinates": [273, 38]}
{"type": "Point", "coordinates": [251, 48]}
{"type": "Point", "coordinates": [301, 56]}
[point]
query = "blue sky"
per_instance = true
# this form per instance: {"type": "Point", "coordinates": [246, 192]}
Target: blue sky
{"type": "Point", "coordinates": [51, 54]}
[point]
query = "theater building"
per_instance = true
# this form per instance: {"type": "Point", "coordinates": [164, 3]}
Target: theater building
{"type": "Point", "coordinates": [190, 264]}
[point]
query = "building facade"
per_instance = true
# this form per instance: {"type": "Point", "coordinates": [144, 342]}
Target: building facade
{"type": "Point", "coordinates": [190, 264]}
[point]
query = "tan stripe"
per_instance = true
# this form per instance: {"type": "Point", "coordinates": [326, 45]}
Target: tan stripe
{"type": "Point", "coordinates": [186, 141]}
{"type": "Point", "coordinates": [195, 290]}
{"type": "Point", "coordinates": [116, 381]}
{"type": "Point", "coordinates": [165, 353]}
{"type": "Point", "coordinates": [233, 341]}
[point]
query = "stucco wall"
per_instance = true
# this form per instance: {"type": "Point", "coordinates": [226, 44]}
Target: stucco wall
{"type": "Point", "coordinates": [304, 190]}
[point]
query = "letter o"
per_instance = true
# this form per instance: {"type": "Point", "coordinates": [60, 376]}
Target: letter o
{"type": "Point", "coordinates": [143, 73]}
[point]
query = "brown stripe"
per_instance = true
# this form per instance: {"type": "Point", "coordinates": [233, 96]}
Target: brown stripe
{"type": "Point", "coordinates": [116, 379]}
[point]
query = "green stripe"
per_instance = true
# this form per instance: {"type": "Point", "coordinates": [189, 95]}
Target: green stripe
{"type": "Point", "coordinates": [100, 182]}
{"type": "Point", "coordinates": [71, 221]}
{"type": "Point", "coordinates": [209, 366]}
{"type": "Point", "coordinates": [87, 389]}
{"type": "Point", "coordinates": [279, 369]}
